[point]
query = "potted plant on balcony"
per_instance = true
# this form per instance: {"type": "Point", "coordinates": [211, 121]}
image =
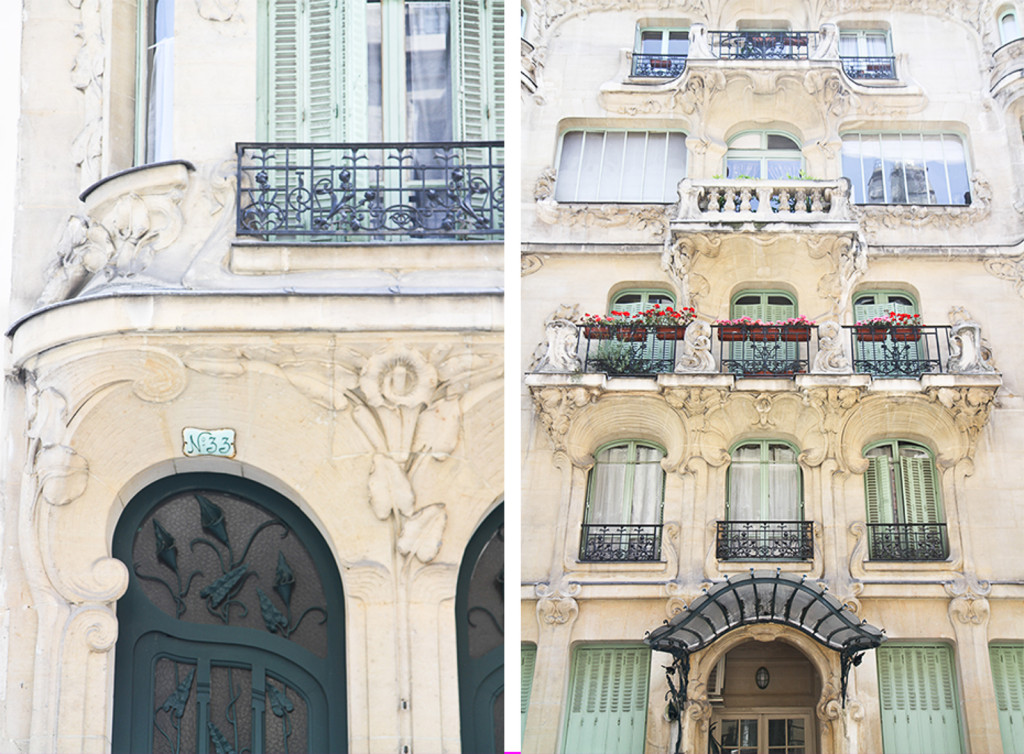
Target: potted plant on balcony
{"type": "Point", "coordinates": [792, 330]}
{"type": "Point", "coordinates": [668, 323]}
{"type": "Point", "coordinates": [898, 326]}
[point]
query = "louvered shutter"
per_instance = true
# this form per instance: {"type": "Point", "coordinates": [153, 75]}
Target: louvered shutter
{"type": "Point", "coordinates": [478, 30]}
{"type": "Point", "coordinates": [527, 663]}
{"type": "Point", "coordinates": [872, 351]}
{"type": "Point", "coordinates": [878, 490]}
{"type": "Point", "coordinates": [917, 695]}
{"type": "Point", "coordinates": [920, 498]}
{"type": "Point", "coordinates": [315, 76]}
{"type": "Point", "coordinates": [607, 701]}
{"type": "Point", "coordinates": [1008, 676]}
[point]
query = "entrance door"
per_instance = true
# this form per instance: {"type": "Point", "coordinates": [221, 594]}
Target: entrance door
{"type": "Point", "coordinates": [761, 733]}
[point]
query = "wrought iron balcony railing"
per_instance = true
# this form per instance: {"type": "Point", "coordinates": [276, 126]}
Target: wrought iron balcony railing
{"type": "Point", "coordinates": [658, 66]}
{"type": "Point", "coordinates": [899, 351]}
{"type": "Point", "coordinates": [771, 351]}
{"type": "Point", "coordinates": [765, 540]}
{"type": "Point", "coordinates": [762, 45]}
{"type": "Point", "coordinates": [622, 542]}
{"type": "Point", "coordinates": [869, 69]}
{"type": "Point", "coordinates": [763, 351]}
{"type": "Point", "coordinates": [907, 542]}
{"type": "Point", "coordinates": [626, 350]}
{"type": "Point", "coordinates": [443, 191]}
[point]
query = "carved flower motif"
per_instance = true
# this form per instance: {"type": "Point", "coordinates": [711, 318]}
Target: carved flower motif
{"type": "Point", "coordinates": [400, 377]}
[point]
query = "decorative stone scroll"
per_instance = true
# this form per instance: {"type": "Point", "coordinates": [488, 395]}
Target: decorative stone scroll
{"type": "Point", "coordinates": [968, 353]}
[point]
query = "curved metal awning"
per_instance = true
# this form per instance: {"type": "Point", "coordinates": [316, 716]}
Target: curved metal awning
{"type": "Point", "coordinates": [765, 597]}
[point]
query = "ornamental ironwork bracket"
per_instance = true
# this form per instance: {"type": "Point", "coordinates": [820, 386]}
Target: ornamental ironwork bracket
{"type": "Point", "coordinates": [848, 658]}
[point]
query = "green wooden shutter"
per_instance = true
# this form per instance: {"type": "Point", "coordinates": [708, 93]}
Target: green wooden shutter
{"type": "Point", "coordinates": [917, 695]}
{"type": "Point", "coordinates": [527, 663]}
{"type": "Point", "coordinates": [743, 349]}
{"type": "Point", "coordinates": [313, 56]}
{"type": "Point", "coordinates": [878, 490]}
{"type": "Point", "coordinates": [920, 498]}
{"type": "Point", "coordinates": [1008, 676]}
{"type": "Point", "coordinates": [478, 31]}
{"type": "Point", "coordinates": [607, 701]}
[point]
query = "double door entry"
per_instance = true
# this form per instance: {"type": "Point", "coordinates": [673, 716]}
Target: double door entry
{"type": "Point", "coordinates": [762, 733]}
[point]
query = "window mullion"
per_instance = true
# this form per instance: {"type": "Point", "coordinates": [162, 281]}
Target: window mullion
{"type": "Point", "coordinates": [393, 103]}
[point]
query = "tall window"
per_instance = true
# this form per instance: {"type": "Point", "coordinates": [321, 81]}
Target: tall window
{"type": "Point", "coordinates": [660, 52]}
{"type": "Point", "coordinates": [621, 166]}
{"type": "Point", "coordinates": [382, 70]}
{"type": "Point", "coordinates": [763, 154]}
{"type": "Point", "coordinates": [867, 54]}
{"type": "Point", "coordinates": [1009, 30]}
{"type": "Point", "coordinates": [231, 631]}
{"type": "Point", "coordinates": [765, 483]}
{"type": "Point", "coordinates": [904, 508]}
{"type": "Point", "coordinates": [607, 709]}
{"type": "Point", "coordinates": [1008, 676]}
{"type": "Point", "coordinates": [918, 699]}
{"type": "Point", "coordinates": [625, 496]}
{"type": "Point", "coordinates": [154, 96]}
{"type": "Point", "coordinates": [906, 168]}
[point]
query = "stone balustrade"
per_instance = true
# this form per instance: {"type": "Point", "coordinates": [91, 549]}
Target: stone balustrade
{"type": "Point", "coordinates": [786, 200]}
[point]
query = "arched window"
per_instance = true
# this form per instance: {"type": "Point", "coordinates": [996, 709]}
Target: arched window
{"type": "Point", "coordinates": [770, 354]}
{"type": "Point", "coordinates": [904, 506]}
{"type": "Point", "coordinates": [765, 507]}
{"type": "Point", "coordinates": [625, 496]}
{"type": "Point", "coordinates": [154, 94]}
{"type": "Point", "coordinates": [885, 353]}
{"type": "Point", "coordinates": [1009, 30]}
{"type": "Point", "coordinates": [763, 154]}
{"type": "Point", "coordinates": [231, 632]}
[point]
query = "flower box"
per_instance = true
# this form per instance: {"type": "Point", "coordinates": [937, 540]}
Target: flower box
{"type": "Point", "coordinates": [729, 333]}
{"type": "Point", "coordinates": [763, 334]}
{"type": "Point", "coordinates": [868, 334]}
{"type": "Point", "coordinates": [669, 332]}
{"type": "Point", "coordinates": [905, 333]}
{"type": "Point", "coordinates": [598, 332]}
{"type": "Point", "coordinates": [631, 334]}
{"type": "Point", "coordinates": [796, 334]}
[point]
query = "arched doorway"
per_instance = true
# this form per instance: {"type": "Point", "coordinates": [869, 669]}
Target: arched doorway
{"type": "Point", "coordinates": [231, 632]}
{"type": "Point", "coordinates": [763, 697]}
{"type": "Point", "coordinates": [480, 633]}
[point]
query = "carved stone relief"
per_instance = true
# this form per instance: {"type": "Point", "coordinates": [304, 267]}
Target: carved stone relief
{"type": "Point", "coordinates": [695, 349]}
{"type": "Point", "coordinates": [1011, 269]}
{"type": "Point", "coordinates": [877, 218]}
{"type": "Point", "coordinates": [651, 220]}
{"type": "Point", "coordinates": [557, 605]}
{"type": "Point", "coordinates": [217, 10]}
{"type": "Point", "coordinates": [118, 235]}
{"type": "Point", "coordinates": [970, 408]}
{"type": "Point", "coordinates": [556, 406]}
{"type": "Point", "coordinates": [529, 264]}
{"type": "Point", "coordinates": [559, 351]}
{"type": "Point", "coordinates": [832, 356]}
{"type": "Point", "coordinates": [87, 75]}
{"type": "Point", "coordinates": [678, 257]}
{"type": "Point", "coordinates": [968, 602]}
{"type": "Point", "coordinates": [969, 353]}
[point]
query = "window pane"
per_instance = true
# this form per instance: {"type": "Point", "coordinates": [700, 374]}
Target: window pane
{"type": "Point", "coordinates": [892, 167]}
{"type": "Point", "coordinates": [678, 42]}
{"type": "Point", "coordinates": [611, 166]}
{"type": "Point", "coordinates": [375, 83]}
{"type": "Point", "coordinates": [745, 484]}
{"type": "Point", "coordinates": [427, 72]}
{"type": "Point", "coordinates": [590, 165]}
{"type": "Point", "coordinates": [783, 169]}
{"type": "Point", "coordinates": [569, 166]}
{"type": "Point", "coordinates": [778, 141]}
{"type": "Point", "coordinates": [1008, 29]}
{"type": "Point", "coordinates": [648, 480]}
{"type": "Point", "coordinates": [783, 484]}
{"type": "Point", "coordinates": [737, 168]}
{"type": "Point", "coordinates": [635, 168]}
{"type": "Point", "coordinates": [956, 169]}
{"type": "Point", "coordinates": [655, 166]}
{"type": "Point", "coordinates": [876, 45]}
{"type": "Point", "coordinates": [906, 168]}
{"type": "Point", "coordinates": [650, 42]}
{"type": "Point", "coordinates": [675, 163]}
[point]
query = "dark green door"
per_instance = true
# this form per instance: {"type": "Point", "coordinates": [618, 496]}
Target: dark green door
{"type": "Point", "coordinates": [231, 632]}
{"type": "Point", "coordinates": [480, 634]}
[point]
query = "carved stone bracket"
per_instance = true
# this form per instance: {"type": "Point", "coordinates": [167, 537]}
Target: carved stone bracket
{"type": "Point", "coordinates": [558, 352]}
{"type": "Point", "coordinates": [970, 407]}
{"type": "Point", "coordinates": [833, 353]}
{"type": "Point", "coordinates": [556, 406]}
{"type": "Point", "coordinates": [695, 349]}
{"type": "Point", "coordinates": [127, 219]}
{"type": "Point", "coordinates": [557, 604]}
{"type": "Point", "coordinates": [968, 602]}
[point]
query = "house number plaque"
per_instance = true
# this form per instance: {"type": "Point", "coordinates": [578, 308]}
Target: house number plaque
{"type": "Point", "coordinates": [208, 442]}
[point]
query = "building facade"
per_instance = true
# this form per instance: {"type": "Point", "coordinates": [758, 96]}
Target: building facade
{"type": "Point", "coordinates": [253, 469]}
{"type": "Point", "coordinates": [772, 271]}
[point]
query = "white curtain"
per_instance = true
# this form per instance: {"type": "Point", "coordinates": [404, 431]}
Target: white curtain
{"type": "Point", "coordinates": [745, 484]}
{"type": "Point", "coordinates": [607, 492]}
{"type": "Point", "coordinates": [428, 71]}
{"type": "Point", "coordinates": [783, 484]}
{"type": "Point", "coordinates": [627, 486]}
{"type": "Point", "coordinates": [160, 115]}
{"type": "Point", "coordinates": [648, 478]}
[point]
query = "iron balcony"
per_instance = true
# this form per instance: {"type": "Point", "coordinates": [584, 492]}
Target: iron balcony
{"type": "Point", "coordinates": [899, 542]}
{"type": "Point", "coordinates": [765, 540]}
{"type": "Point", "coordinates": [364, 193]}
{"type": "Point", "coordinates": [620, 542]}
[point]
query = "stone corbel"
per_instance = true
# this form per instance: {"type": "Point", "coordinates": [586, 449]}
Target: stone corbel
{"type": "Point", "coordinates": [968, 353]}
{"type": "Point", "coordinates": [557, 604]}
{"type": "Point", "coordinates": [833, 355]}
{"type": "Point", "coordinates": [968, 604]}
{"type": "Point", "coordinates": [128, 218]}
{"type": "Point", "coordinates": [694, 353]}
{"type": "Point", "coordinates": [556, 407]}
{"type": "Point", "coordinates": [559, 351]}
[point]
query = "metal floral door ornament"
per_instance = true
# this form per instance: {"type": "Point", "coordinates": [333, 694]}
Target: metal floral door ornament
{"type": "Point", "coordinates": [231, 632]}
